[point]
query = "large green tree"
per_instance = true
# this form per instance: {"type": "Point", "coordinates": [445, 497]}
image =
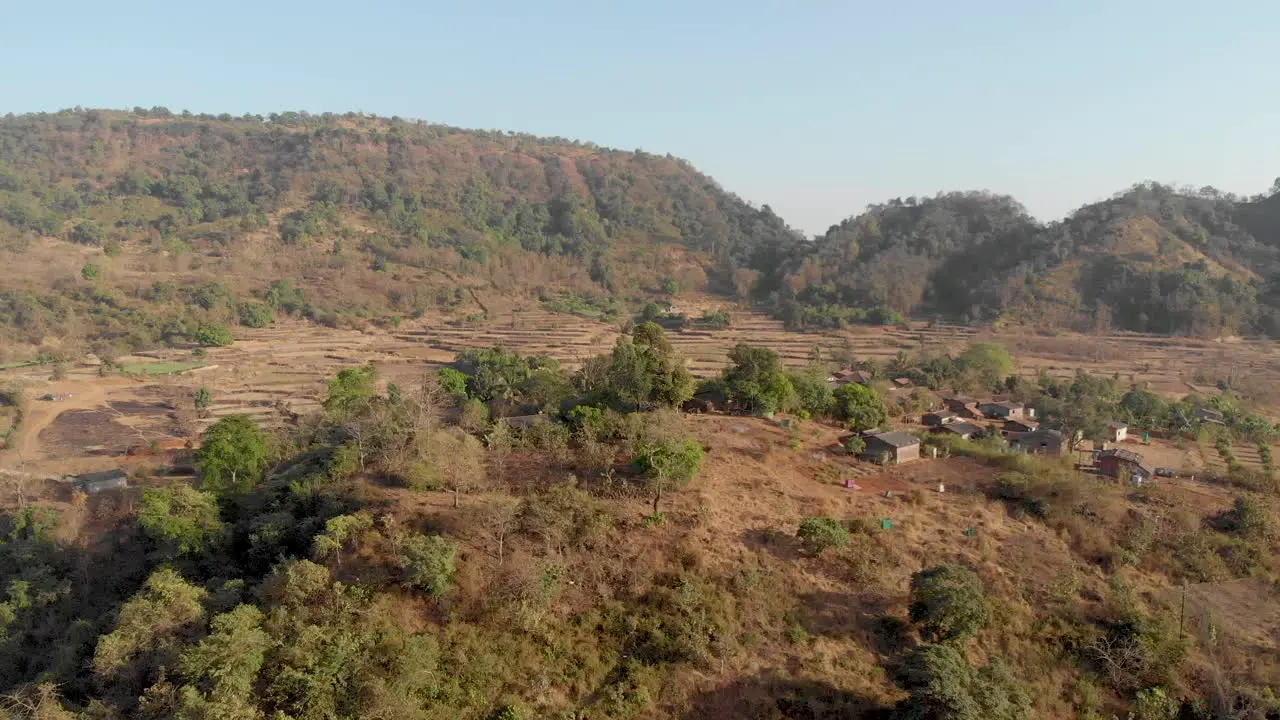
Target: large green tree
{"type": "Point", "coordinates": [232, 456]}
{"type": "Point", "coordinates": [948, 603]}
{"type": "Point", "coordinates": [860, 407]}
{"type": "Point", "coordinates": [755, 380]}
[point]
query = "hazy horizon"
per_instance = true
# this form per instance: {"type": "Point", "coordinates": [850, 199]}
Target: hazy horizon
{"type": "Point", "coordinates": [816, 111]}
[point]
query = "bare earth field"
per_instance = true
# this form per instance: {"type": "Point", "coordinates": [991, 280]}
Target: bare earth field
{"type": "Point", "coordinates": [277, 371]}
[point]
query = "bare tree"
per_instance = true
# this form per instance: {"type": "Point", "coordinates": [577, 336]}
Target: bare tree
{"type": "Point", "coordinates": [501, 517]}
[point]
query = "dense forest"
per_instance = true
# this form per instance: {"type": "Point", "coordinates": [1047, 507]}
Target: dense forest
{"type": "Point", "coordinates": [181, 221]}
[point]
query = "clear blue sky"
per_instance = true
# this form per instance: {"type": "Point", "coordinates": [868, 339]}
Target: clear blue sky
{"type": "Point", "coordinates": [816, 107]}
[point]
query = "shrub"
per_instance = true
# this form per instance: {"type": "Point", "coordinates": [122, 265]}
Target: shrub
{"type": "Point", "coordinates": [818, 534]}
{"type": "Point", "coordinates": [429, 562]}
{"type": "Point", "coordinates": [254, 314]}
{"type": "Point", "coordinates": [213, 335]}
{"type": "Point", "coordinates": [89, 271]}
{"type": "Point", "coordinates": [474, 416]}
{"type": "Point", "coordinates": [947, 602]}
{"type": "Point", "coordinates": [203, 399]}
{"type": "Point", "coordinates": [855, 445]}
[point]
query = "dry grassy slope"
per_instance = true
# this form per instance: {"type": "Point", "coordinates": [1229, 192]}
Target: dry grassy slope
{"type": "Point", "coordinates": [1147, 245]}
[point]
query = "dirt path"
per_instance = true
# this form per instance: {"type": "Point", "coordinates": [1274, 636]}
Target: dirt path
{"type": "Point", "coordinates": [85, 391]}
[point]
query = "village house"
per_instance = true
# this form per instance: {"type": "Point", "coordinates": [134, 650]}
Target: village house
{"type": "Point", "coordinates": [1117, 432]}
{"type": "Point", "coordinates": [847, 375]}
{"type": "Point", "coordinates": [1020, 425]}
{"type": "Point", "coordinates": [959, 429]}
{"type": "Point", "coordinates": [1117, 462]}
{"type": "Point", "coordinates": [902, 383]}
{"type": "Point", "coordinates": [897, 446]}
{"type": "Point", "coordinates": [96, 482]}
{"type": "Point", "coordinates": [706, 401]}
{"type": "Point", "coordinates": [962, 406]}
{"type": "Point", "coordinates": [1038, 442]}
{"type": "Point", "coordinates": [938, 417]}
{"type": "Point", "coordinates": [1006, 410]}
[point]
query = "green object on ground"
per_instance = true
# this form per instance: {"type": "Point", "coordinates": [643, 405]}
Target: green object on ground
{"type": "Point", "coordinates": [886, 524]}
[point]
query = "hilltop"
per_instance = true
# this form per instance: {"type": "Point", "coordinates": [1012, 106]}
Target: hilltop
{"type": "Point", "coordinates": [1150, 259]}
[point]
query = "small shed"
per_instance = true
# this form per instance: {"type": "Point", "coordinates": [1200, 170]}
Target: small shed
{"type": "Point", "coordinates": [897, 446]}
{"type": "Point", "coordinates": [96, 482]}
{"type": "Point", "coordinates": [1115, 462]}
{"type": "Point", "coordinates": [1020, 425]}
{"type": "Point", "coordinates": [940, 417]}
{"type": "Point", "coordinates": [902, 383]}
{"type": "Point", "coordinates": [960, 429]}
{"type": "Point", "coordinates": [1038, 442]}
{"type": "Point", "coordinates": [1117, 432]}
{"type": "Point", "coordinates": [1006, 410]}
{"type": "Point", "coordinates": [964, 407]}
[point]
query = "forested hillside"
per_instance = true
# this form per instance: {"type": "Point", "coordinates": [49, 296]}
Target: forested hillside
{"type": "Point", "coordinates": [1151, 259]}
{"type": "Point", "coordinates": [377, 204]}
{"type": "Point", "coordinates": [123, 230]}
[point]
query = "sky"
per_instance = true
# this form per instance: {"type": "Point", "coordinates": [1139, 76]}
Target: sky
{"type": "Point", "coordinates": [814, 107]}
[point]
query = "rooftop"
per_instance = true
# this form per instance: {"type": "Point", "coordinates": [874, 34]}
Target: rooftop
{"type": "Point", "coordinates": [896, 439]}
{"type": "Point", "coordinates": [1122, 454]}
{"type": "Point", "coordinates": [961, 428]}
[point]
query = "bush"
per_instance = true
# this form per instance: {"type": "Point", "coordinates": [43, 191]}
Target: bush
{"type": "Point", "coordinates": [429, 562]}
{"type": "Point", "coordinates": [254, 315]}
{"type": "Point", "coordinates": [452, 382]}
{"type": "Point", "coordinates": [89, 271]}
{"type": "Point", "coordinates": [855, 445]}
{"type": "Point", "coordinates": [213, 335]}
{"type": "Point", "coordinates": [474, 416]}
{"type": "Point", "coordinates": [948, 603]}
{"type": "Point", "coordinates": [818, 534]}
{"type": "Point", "coordinates": [944, 686]}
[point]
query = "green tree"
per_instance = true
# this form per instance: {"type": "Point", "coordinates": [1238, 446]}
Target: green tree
{"type": "Point", "coordinates": [453, 383]}
{"type": "Point", "coordinates": [180, 519]}
{"type": "Point", "coordinates": [1144, 409]}
{"type": "Point", "coordinates": [429, 562]}
{"type": "Point", "coordinates": [232, 457]}
{"type": "Point", "coordinates": [351, 392]}
{"type": "Point", "coordinates": [89, 271]}
{"type": "Point", "coordinates": [860, 407]}
{"type": "Point", "coordinates": [642, 371]}
{"type": "Point", "coordinates": [203, 399]}
{"type": "Point", "coordinates": [213, 335]}
{"type": "Point", "coordinates": [990, 363]}
{"type": "Point", "coordinates": [669, 465]}
{"type": "Point", "coordinates": [755, 380]}
{"type": "Point", "coordinates": [818, 534]}
{"type": "Point", "coordinates": [222, 670]}
{"type": "Point", "coordinates": [812, 391]}
{"type": "Point", "coordinates": [149, 631]}
{"type": "Point", "coordinates": [942, 685]}
{"type": "Point", "coordinates": [948, 603]}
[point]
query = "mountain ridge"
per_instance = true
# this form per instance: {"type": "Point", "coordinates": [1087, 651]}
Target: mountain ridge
{"type": "Point", "coordinates": [378, 217]}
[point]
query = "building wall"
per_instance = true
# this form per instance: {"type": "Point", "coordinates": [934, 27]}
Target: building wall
{"type": "Point", "coordinates": [910, 452]}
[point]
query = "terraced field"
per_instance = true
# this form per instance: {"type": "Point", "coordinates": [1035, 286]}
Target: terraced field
{"type": "Point", "coordinates": [278, 372]}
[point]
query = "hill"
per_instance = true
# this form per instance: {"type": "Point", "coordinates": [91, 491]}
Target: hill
{"type": "Point", "coordinates": [131, 227]}
{"type": "Point", "coordinates": [1151, 259]}
{"type": "Point", "coordinates": [126, 230]}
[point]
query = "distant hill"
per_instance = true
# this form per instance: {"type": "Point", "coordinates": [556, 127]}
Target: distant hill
{"type": "Point", "coordinates": [1150, 259]}
{"type": "Point", "coordinates": [323, 201]}
{"type": "Point", "coordinates": [128, 229]}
